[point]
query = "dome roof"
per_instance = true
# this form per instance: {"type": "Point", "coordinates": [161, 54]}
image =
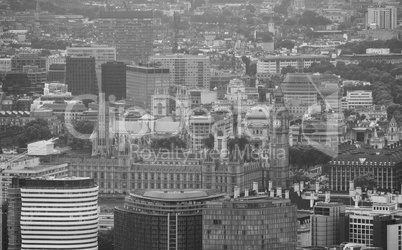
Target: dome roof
{"type": "Point", "coordinates": [258, 112]}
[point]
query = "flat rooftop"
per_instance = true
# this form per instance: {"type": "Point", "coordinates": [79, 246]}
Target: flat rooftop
{"type": "Point", "coordinates": [176, 194]}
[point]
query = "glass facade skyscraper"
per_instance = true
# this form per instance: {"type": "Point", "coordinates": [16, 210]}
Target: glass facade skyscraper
{"type": "Point", "coordinates": [162, 219]}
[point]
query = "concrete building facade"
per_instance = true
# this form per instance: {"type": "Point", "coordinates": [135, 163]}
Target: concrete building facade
{"type": "Point", "coordinates": [131, 32]}
{"type": "Point", "coordinates": [250, 223]}
{"type": "Point", "coordinates": [192, 71]}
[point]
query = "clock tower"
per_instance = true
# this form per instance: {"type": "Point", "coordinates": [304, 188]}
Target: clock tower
{"type": "Point", "coordinates": [279, 142]}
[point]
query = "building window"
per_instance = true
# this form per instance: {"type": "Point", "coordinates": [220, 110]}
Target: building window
{"type": "Point", "coordinates": [159, 108]}
{"type": "Point", "coordinates": [217, 222]}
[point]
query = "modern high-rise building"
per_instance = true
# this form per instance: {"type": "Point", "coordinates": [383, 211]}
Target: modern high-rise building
{"type": "Point", "coordinates": [80, 75]}
{"type": "Point", "coordinates": [162, 219]}
{"type": "Point", "coordinates": [57, 72]}
{"type": "Point", "coordinates": [382, 17]}
{"type": "Point", "coordinates": [378, 226]}
{"type": "Point", "coordinates": [325, 223]}
{"type": "Point", "coordinates": [114, 80]}
{"type": "Point", "coordinates": [142, 82]}
{"type": "Point", "coordinates": [192, 71]}
{"type": "Point", "coordinates": [131, 32]}
{"type": "Point", "coordinates": [251, 222]}
{"type": "Point", "coordinates": [52, 213]}
{"type": "Point", "coordinates": [199, 128]}
{"type": "Point", "coordinates": [101, 53]}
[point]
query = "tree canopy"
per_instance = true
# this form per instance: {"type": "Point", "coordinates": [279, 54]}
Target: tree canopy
{"type": "Point", "coordinates": [366, 181]}
{"type": "Point", "coordinates": [167, 144]}
{"type": "Point", "coordinates": [241, 142]}
{"type": "Point", "coordinates": [83, 127]}
{"type": "Point", "coordinates": [384, 78]}
{"type": "Point", "coordinates": [209, 141]}
{"type": "Point", "coordinates": [304, 156]}
{"type": "Point", "coordinates": [311, 18]}
{"type": "Point", "coordinates": [105, 239]}
{"type": "Point", "coordinates": [288, 69]}
{"type": "Point", "coordinates": [284, 44]}
{"type": "Point", "coordinates": [394, 45]}
{"type": "Point", "coordinates": [35, 130]}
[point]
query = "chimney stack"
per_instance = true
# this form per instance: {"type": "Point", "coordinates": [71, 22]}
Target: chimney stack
{"type": "Point", "coordinates": [269, 185]}
{"type": "Point", "coordinates": [286, 194]}
{"type": "Point", "coordinates": [246, 193]}
{"type": "Point", "coordinates": [351, 185]}
{"type": "Point", "coordinates": [236, 192]}
{"type": "Point", "coordinates": [255, 186]}
{"type": "Point", "coordinates": [272, 193]}
{"type": "Point", "coordinates": [296, 187]}
{"type": "Point", "coordinates": [317, 187]}
{"type": "Point", "coordinates": [279, 192]}
{"type": "Point", "coordinates": [301, 186]}
{"type": "Point", "coordinates": [327, 196]}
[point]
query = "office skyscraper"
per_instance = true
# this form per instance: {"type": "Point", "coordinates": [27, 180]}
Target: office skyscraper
{"type": "Point", "coordinates": [131, 32]}
{"type": "Point", "coordinates": [192, 71]}
{"type": "Point", "coordinates": [382, 17]}
{"type": "Point", "coordinates": [162, 219]}
{"type": "Point", "coordinates": [142, 81]}
{"type": "Point", "coordinates": [325, 223]}
{"type": "Point", "coordinates": [114, 80]}
{"type": "Point", "coordinates": [53, 214]}
{"type": "Point", "coordinates": [81, 75]}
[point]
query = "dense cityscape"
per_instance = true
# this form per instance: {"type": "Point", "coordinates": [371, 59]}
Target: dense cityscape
{"type": "Point", "coordinates": [201, 124]}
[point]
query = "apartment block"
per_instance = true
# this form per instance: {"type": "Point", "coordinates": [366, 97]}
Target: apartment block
{"type": "Point", "coordinates": [382, 17]}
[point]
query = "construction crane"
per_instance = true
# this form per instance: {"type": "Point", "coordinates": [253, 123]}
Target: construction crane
{"type": "Point", "coordinates": [126, 6]}
{"type": "Point", "coordinates": [176, 22]}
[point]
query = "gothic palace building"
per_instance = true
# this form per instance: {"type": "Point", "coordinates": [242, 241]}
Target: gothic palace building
{"type": "Point", "coordinates": [113, 177]}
